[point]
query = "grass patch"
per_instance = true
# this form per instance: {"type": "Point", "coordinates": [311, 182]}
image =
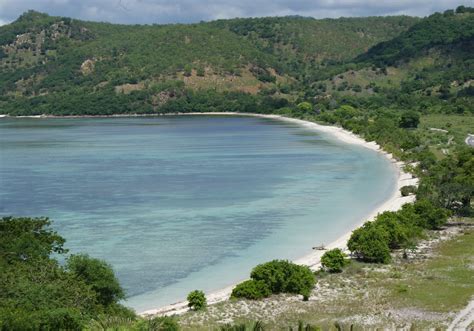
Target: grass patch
{"type": "Point", "coordinates": [458, 126]}
{"type": "Point", "coordinates": [444, 283]}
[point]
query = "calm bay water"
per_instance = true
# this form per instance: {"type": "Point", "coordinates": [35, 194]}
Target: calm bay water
{"type": "Point", "coordinates": [187, 202]}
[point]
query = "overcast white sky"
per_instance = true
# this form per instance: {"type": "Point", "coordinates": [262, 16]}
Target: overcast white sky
{"type": "Point", "coordinates": [187, 11]}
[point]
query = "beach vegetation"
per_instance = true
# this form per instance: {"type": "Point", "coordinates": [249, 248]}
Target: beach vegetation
{"type": "Point", "coordinates": [334, 260]}
{"type": "Point", "coordinates": [282, 276]}
{"type": "Point", "coordinates": [274, 277]}
{"type": "Point", "coordinates": [394, 230]}
{"type": "Point", "coordinates": [431, 217]}
{"type": "Point", "coordinates": [251, 289]}
{"type": "Point", "coordinates": [197, 300]}
{"type": "Point", "coordinates": [370, 243]}
{"type": "Point", "coordinates": [407, 190]}
{"type": "Point", "coordinates": [305, 107]}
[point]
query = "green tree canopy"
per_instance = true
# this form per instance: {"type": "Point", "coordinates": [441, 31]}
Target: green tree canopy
{"type": "Point", "coordinates": [197, 300]}
{"type": "Point", "coordinates": [370, 243]}
{"type": "Point", "coordinates": [98, 275]}
{"type": "Point", "coordinates": [334, 260]}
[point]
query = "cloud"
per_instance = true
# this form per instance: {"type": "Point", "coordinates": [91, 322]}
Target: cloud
{"type": "Point", "coordinates": [187, 11]}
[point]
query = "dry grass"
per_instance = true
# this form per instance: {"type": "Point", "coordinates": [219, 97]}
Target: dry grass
{"type": "Point", "coordinates": [422, 291]}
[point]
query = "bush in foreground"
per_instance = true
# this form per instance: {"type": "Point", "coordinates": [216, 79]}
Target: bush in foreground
{"type": "Point", "coordinates": [279, 276]}
{"type": "Point", "coordinates": [197, 300]}
{"type": "Point", "coordinates": [251, 289]}
{"type": "Point", "coordinates": [161, 323]}
{"type": "Point", "coordinates": [334, 260]}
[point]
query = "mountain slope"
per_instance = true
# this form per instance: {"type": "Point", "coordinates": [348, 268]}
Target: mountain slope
{"type": "Point", "coordinates": [433, 60]}
{"type": "Point", "coordinates": [62, 66]}
{"type": "Point", "coordinates": [44, 59]}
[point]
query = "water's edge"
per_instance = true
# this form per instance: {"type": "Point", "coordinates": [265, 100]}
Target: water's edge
{"type": "Point", "coordinates": [393, 203]}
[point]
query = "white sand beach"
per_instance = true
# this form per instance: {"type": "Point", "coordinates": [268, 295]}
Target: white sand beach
{"type": "Point", "coordinates": [312, 260]}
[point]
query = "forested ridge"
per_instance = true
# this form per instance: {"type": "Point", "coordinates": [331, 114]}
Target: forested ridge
{"type": "Point", "coordinates": [62, 66]}
{"type": "Point", "coordinates": [47, 61]}
{"type": "Point", "coordinates": [405, 83]}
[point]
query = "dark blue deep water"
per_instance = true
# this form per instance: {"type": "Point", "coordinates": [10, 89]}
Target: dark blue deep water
{"type": "Point", "coordinates": [186, 202]}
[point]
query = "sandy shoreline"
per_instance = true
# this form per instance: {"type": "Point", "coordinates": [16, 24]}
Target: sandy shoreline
{"type": "Point", "coordinates": [313, 259]}
{"type": "Point", "coordinates": [393, 203]}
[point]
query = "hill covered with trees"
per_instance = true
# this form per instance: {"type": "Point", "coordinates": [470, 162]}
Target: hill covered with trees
{"type": "Point", "coordinates": [47, 61]}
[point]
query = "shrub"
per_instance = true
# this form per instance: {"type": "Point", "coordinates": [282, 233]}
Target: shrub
{"type": "Point", "coordinates": [370, 243]}
{"type": "Point", "coordinates": [305, 107]}
{"type": "Point", "coordinates": [197, 300]}
{"type": "Point", "coordinates": [334, 260]}
{"type": "Point", "coordinates": [407, 190]}
{"type": "Point", "coordinates": [285, 277]}
{"type": "Point", "coordinates": [251, 289]}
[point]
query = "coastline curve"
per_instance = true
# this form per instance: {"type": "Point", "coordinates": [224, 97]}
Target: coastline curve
{"type": "Point", "coordinates": [312, 260]}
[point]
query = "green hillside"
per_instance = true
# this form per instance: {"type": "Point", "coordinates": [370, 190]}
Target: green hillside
{"type": "Point", "coordinates": [423, 67]}
{"type": "Point", "coordinates": [57, 65]}
{"type": "Point", "coordinates": [48, 60]}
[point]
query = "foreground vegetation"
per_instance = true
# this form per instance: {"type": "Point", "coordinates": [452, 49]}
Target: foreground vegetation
{"type": "Point", "coordinates": [412, 94]}
{"type": "Point", "coordinates": [421, 291]}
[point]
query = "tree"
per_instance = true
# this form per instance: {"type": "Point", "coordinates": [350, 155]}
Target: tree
{"type": "Point", "coordinates": [24, 238]}
{"type": "Point", "coordinates": [409, 119]}
{"type": "Point", "coordinates": [197, 300]}
{"type": "Point", "coordinates": [396, 232]}
{"type": "Point", "coordinates": [334, 260]}
{"type": "Point", "coordinates": [36, 292]}
{"type": "Point", "coordinates": [370, 243]}
{"type": "Point", "coordinates": [285, 277]}
{"type": "Point", "coordinates": [99, 275]}
{"type": "Point", "coordinates": [432, 217]}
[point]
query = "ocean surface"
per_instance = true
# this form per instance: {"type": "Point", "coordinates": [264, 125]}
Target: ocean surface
{"type": "Point", "coordinates": [187, 202]}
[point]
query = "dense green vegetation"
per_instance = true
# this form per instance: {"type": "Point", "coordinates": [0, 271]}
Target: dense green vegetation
{"type": "Point", "coordinates": [334, 260]}
{"type": "Point", "coordinates": [197, 300]}
{"type": "Point", "coordinates": [37, 292]}
{"type": "Point", "coordinates": [56, 65]}
{"type": "Point", "coordinates": [275, 277]}
{"type": "Point", "coordinates": [394, 230]}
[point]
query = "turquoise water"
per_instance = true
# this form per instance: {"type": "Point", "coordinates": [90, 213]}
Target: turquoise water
{"type": "Point", "coordinates": [187, 202]}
